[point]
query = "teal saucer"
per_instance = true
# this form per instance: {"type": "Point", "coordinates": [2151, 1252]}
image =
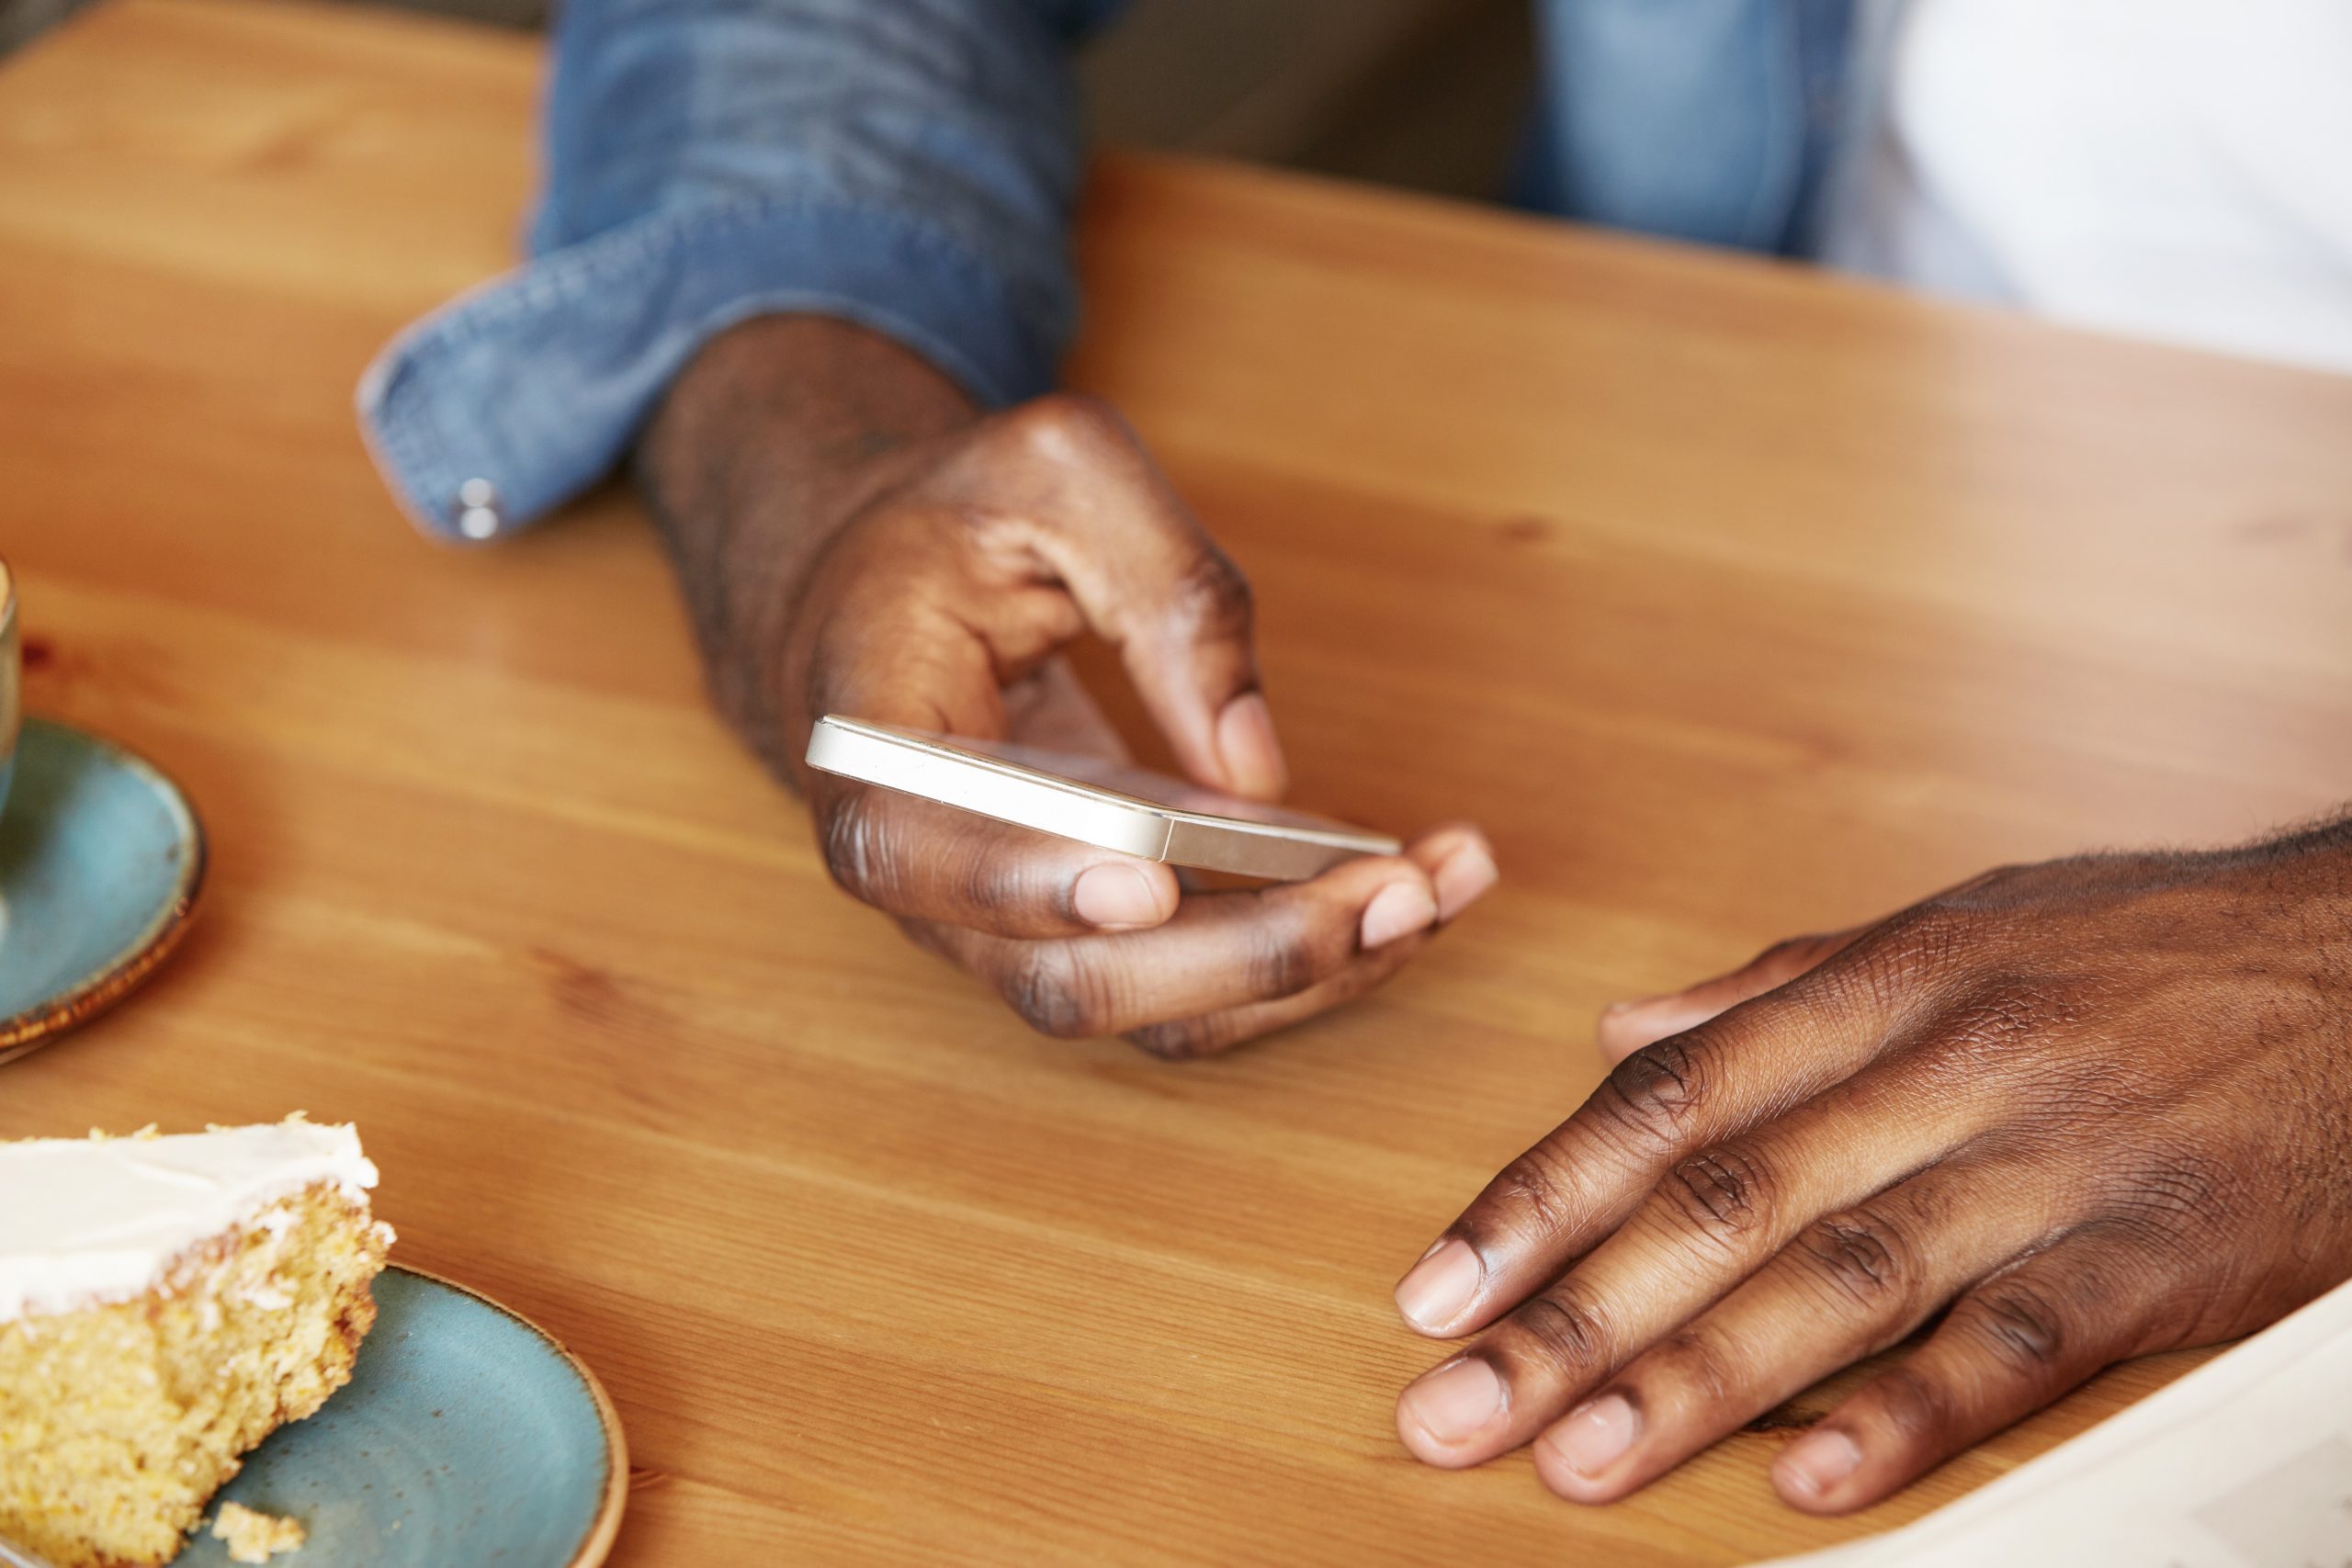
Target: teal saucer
{"type": "Point", "coordinates": [101, 861]}
{"type": "Point", "coordinates": [465, 1435]}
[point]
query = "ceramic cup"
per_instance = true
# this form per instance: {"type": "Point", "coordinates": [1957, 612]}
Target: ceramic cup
{"type": "Point", "coordinates": [9, 715]}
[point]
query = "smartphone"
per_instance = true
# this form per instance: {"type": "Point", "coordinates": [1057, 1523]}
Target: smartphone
{"type": "Point", "coordinates": [1109, 805]}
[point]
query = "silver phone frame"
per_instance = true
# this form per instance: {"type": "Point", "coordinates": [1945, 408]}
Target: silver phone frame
{"type": "Point", "coordinates": [936, 770]}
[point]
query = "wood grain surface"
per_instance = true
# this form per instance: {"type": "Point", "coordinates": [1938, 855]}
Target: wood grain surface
{"type": "Point", "coordinates": [1733, 601]}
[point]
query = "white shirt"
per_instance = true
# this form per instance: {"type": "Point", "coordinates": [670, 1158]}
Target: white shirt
{"type": "Point", "coordinates": [2171, 169]}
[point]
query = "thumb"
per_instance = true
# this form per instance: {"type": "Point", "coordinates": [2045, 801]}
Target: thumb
{"type": "Point", "coordinates": [1627, 1026]}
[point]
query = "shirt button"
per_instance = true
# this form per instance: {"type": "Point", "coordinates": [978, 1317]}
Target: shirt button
{"type": "Point", "coordinates": [479, 518]}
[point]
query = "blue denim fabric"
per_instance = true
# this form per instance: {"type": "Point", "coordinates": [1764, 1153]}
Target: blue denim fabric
{"type": "Point", "coordinates": [909, 164]}
{"type": "Point", "coordinates": [1709, 121]}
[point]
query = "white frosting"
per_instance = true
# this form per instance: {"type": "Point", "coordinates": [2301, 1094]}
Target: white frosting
{"type": "Point", "coordinates": [89, 1220]}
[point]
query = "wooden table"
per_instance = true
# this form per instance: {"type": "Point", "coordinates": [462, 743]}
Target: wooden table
{"type": "Point", "coordinates": [1734, 602]}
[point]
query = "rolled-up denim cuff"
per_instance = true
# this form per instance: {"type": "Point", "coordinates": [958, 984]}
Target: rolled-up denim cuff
{"type": "Point", "coordinates": [497, 407]}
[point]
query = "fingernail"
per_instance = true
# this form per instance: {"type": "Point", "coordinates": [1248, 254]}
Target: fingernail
{"type": "Point", "coordinates": [1457, 1401]}
{"type": "Point", "coordinates": [1115, 896]}
{"type": "Point", "coordinates": [1593, 1435]}
{"type": "Point", "coordinates": [1466, 874]}
{"type": "Point", "coordinates": [1627, 1025]}
{"type": "Point", "coordinates": [1441, 1285]}
{"type": "Point", "coordinates": [1246, 743]}
{"type": "Point", "coordinates": [1398, 909]}
{"type": "Point", "coordinates": [1818, 1462]}
{"type": "Point", "coordinates": [1635, 1004]}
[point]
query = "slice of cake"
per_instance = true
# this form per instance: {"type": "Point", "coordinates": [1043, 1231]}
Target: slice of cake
{"type": "Point", "coordinates": [165, 1303]}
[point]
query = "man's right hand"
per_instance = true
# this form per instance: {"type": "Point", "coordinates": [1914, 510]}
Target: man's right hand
{"type": "Point", "coordinates": [855, 538]}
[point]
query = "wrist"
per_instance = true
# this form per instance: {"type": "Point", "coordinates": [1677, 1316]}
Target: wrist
{"type": "Point", "coordinates": [774, 436]}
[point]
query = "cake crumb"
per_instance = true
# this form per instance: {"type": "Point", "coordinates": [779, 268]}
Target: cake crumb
{"type": "Point", "coordinates": [253, 1536]}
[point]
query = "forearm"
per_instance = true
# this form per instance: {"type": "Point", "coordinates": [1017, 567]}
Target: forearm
{"type": "Point", "coordinates": [776, 434]}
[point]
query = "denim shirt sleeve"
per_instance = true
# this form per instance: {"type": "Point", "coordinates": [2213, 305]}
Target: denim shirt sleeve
{"type": "Point", "coordinates": [907, 165]}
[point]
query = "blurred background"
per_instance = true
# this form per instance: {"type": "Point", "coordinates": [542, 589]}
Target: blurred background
{"type": "Point", "coordinates": [1425, 94]}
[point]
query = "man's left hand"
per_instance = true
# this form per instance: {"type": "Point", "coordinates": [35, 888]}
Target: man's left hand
{"type": "Point", "coordinates": [2083, 1110]}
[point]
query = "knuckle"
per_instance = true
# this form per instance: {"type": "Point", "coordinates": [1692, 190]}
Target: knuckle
{"type": "Point", "coordinates": [1558, 1332]}
{"type": "Point", "coordinates": [1535, 1193]}
{"type": "Point", "coordinates": [1994, 1022]}
{"type": "Point", "coordinates": [2023, 1324]}
{"type": "Point", "coordinates": [1285, 961]}
{"type": "Point", "coordinates": [1860, 1256]}
{"type": "Point", "coordinates": [1283, 967]}
{"type": "Point", "coordinates": [1211, 592]}
{"type": "Point", "coordinates": [1723, 1193]}
{"type": "Point", "coordinates": [1179, 1042]}
{"type": "Point", "coordinates": [988, 883]}
{"type": "Point", "coordinates": [2175, 1195]}
{"type": "Point", "coordinates": [1055, 993]}
{"type": "Point", "coordinates": [1657, 1091]}
{"type": "Point", "coordinates": [1700, 1365]}
{"type": "Point", "coordinates": [2161, 1281]}
{"type": "Point", "coordinates": [1066, 426]}
{"type": "Point", "coordinates": [2034, 1039]}
{"type": "Point", "coordinates": [1918, 1407]}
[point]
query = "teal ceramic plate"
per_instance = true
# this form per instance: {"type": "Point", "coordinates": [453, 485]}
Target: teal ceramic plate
{"type": "Point", "coordinates": [466, 1435]}
{"type": "Point", "coordinates": [100, 863]}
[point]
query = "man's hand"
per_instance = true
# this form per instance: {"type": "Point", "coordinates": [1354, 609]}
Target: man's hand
{"type": "Point", "coordinates": [2083, 1110]}
{"type": "Point", "coordinates": [855, 538]}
